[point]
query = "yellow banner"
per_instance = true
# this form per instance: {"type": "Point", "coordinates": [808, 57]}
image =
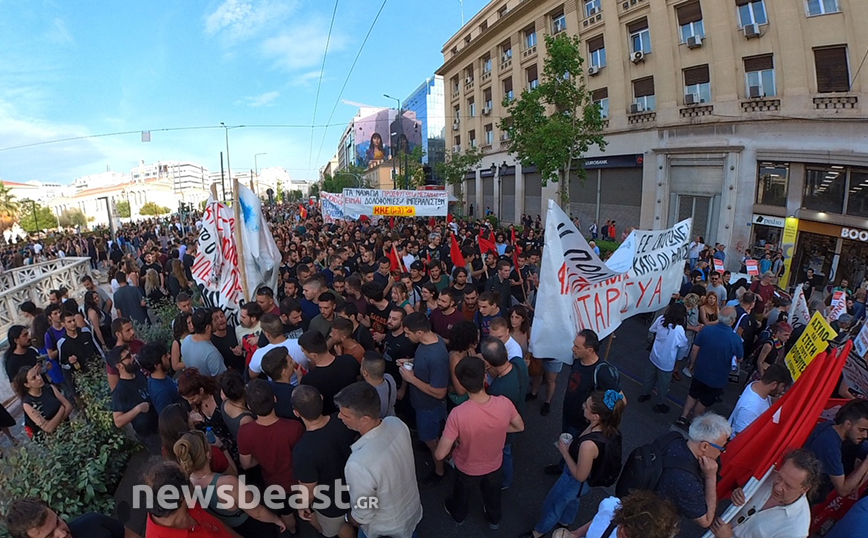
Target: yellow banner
{"type": "Point", "coordinates": [394, 211]}
{"type": "Point", "coordinates": [813, 341]}
{"type": "Point", "coordinates": [788, 242]}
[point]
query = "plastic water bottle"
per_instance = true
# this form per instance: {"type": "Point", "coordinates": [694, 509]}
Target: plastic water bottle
{"type": "Point", "coordinates": [209, 434]}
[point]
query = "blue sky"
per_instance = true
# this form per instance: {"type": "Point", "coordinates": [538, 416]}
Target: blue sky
{"type": "Point", "coordinates": [71, 69]}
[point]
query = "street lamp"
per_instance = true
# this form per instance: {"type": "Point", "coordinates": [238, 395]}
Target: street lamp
{"type": "Point", "coordinates": [359, 178]}
{"type": "Point", "coordinates": [108, 210]}
{"type": "Point", "coordinates": [228, 167]}
{"type": "Point", "coordinates": [35, 216]}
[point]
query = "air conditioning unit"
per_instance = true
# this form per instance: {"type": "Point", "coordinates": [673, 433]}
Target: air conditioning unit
{"type": "Point", "coordinates": [468, 80]}
{"type": "Point", "coordinates": [593, 11]}
{"type": "Point", "coordinates": [504, 136]}
{"type": "Point", "coordinates": [455, 126]}
{"type": "Point", "coordinates": [504, 58]}
{"type": "Point", "coordinates": [751, 30]}
{"type": "Point", "coordinates": [593, 70]}
{"type": "Point", "coordinates": [456, 149]}
{"type": "Point", "coordinates": [691, 99]}
{"type": "Point", "coordinates": [637, 57]}
{"type": "Point", "coordinates": [636, 108]}
{"type": "Point", "coordinates": [755, 92]}
{"type": "Point", "coordinates": [694, 42]}
{"type": "Point", "coordinates": [486, 111]}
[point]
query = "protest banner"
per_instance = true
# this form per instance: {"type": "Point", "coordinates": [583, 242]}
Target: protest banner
{"type": "Point", "coordinates": [578, 291]}
{"type": "Point", "coordinates": [332, 206]}
{"type": "Point", "coordinates": [856, 372]}
{"type": "Point", "coordinates": [260, 254]}
{"type": "Point", "coordinates": [718, 266]}
{"type": "Point", "coordinates": [839, 305]}
{"type": "Point", "coordinates": [752, 267]}
{"type": "Point", "coordinates": [813, 341]}
{"type": "Point", "coordinates": [799, 313]}
{"type": "Point", "coordinates": [215, 268]}
{"type": "Point", "coordinates": [395, 203]}
{"type": "Point", "coordinates": [860, 343]}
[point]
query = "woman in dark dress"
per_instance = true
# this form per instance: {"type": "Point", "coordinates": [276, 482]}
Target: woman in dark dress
{"type": "Point", "coordinates": [44, 407]}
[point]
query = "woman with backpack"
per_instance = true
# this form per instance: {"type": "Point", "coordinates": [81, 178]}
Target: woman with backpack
{"type": "Point", "coordinates": [592, 459]}
{"type": "Point", "coordinates": [670, 345]}
{"type": "Point", "coordinates": [770, 348]}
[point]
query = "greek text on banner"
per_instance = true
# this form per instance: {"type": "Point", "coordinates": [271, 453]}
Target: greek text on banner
{"type": "Point", "coordinates": [424, 203]}
{"type": "Point", "coordinates": [813, 341]}
{"type": "Point", "coordinates": [394, 211]}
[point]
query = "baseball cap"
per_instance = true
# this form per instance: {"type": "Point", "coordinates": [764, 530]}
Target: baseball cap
{"type": "Point", "coordinates": [417, 265]}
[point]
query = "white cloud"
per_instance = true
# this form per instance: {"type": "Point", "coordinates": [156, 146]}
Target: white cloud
{"type": "Point", "coordinates": [59, 33]}
{"type": "Point", "coordinates": [306, 79]}
{"type": "Point", "coordinates": [237, 20]}
{"type": "Point", "coordinates": [302, 46]}
{"type": "Point", "coordinates": [266, 99]}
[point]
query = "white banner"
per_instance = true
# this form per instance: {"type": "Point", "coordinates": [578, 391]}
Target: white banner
{"type": "Point", "coordinates": [839, 305]}
{"type": "Point", "coordinates": [332, 206]}
{"type": "Point", "coordinates": [860, 342]}
{"type": "Point", "coordinates": [261, 257]}
{"type": "Point", "coordinates": [215, 268]}
{"type": "Point", "coordinates": [382, 203]}
{"type": "Point", "coordinates": [799, 313]}
{"type": "Point", "coordinates": [578, 291]}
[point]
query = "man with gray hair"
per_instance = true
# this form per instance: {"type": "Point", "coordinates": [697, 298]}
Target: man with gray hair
{"type": "Point", "coordinates": [716, 352]}
{"type": "Point", "coordinates": [694, 491]}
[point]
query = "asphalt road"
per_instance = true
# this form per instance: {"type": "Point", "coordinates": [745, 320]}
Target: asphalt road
{"type": "Point", "coordinates": [533, 451]}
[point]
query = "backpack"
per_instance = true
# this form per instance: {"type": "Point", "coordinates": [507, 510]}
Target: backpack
{"type": "Point", "coordinates": [616, 375]}
{"type": "Point", "coordinates": [645, 465]}
{"type": "Point", "coordinates": [608, 465]}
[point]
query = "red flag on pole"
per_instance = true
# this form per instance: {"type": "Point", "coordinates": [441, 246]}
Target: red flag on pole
{"type": "Point", "coordinates": [394, 260]}
{"type": "Point", "coordinates": [449, 218]}
{"type": "Point", "coordinates": [392, 223]}
{"type": "Point", "coordinates": [515, 246]}
{"type": "Point", "coordinates": [432, 222]}
{"type": "Point", "coordinates": [302, 211]}
{"type": "Point", "coordinates": [455, 253]}
{"type": "Point", "coordinates": [486, 245]}
{"type": "Point", "coordinates": [786, 425]}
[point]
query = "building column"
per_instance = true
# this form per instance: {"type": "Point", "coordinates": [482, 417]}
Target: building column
{"type": "Point", "coordinates": [480, 196]}
{"type": "Point", "coordinates": [496, 189]}
{"type": "Point", "coordinates": [519, 191]}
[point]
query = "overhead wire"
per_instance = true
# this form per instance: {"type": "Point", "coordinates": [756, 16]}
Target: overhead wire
{"type": "Point", "coordinates": [319, 84]}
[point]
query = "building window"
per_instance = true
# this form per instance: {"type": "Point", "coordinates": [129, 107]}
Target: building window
{"type": "Point", "coordinates": [759, 74]}
{"type": "Point", "coordinates": [825, 188]}
{"type": "Point", "coordinates": [486, 64]}
{"type": "Point", "coordinates": [640, 36]}
{"type": "Point", "coordinates": [592, 7]}
{"type": "Point", "coordinates": [833, 74]}
{"type": "Point", "coordinates": [751, 12]}
{"type": "Point", "coordinates": [505, 51]}
{"type": "Point", "coordinates": [697, 83]}
{"type": "Point", "coordinates": [486, 97]}
{"type": "Point", "coordinates": [601, 99]}
{"type": "Point", "coordinates": [559, 22]}
{"type": "Point", "coordinates": [857, 200]}
{"type": "Point", "coordinates": [532, 77]}
{"type": "Point", "coordinates": [483, 27]}
{"type": "Point", "coordinates": [471, 106]}
{"type": "Point", "coordinates": [771, 185]}
{"type": "Point", "coordinates": [508, 93]}
{"type": "Point", "coordinates": [529, 37]}
{"type": "Point", "coordinates": [456, 84]}
{"type": "Point", "coordinates": [489, 134]}
{"type": "Point", "coordinates": [501, 12]}
{"type": "Point", "coordinates": [472, 136]}
{"type": "Point", "coordinates": [457, 115]}
{"type": "Point", "coordinates": [468, 74]}
{"type": "Point", "coordinates": [690, 21]}
{"type": "Point", "coordinates": [597, 48]}
{"type": "Point", "coordinates": [643, 94]}
{"type": "Point", "coordinates": [822, 7]}
{"type": "Point", "coordinates": [467, 39]}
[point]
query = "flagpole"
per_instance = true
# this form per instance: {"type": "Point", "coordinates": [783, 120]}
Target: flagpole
{"type": "Point", "coordinates": [239, 247]}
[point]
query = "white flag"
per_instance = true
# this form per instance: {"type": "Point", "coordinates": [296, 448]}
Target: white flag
{"type": "Point", "coordinates": [799, 313]}
{"type": "Point", "coordinates": [261, 257]}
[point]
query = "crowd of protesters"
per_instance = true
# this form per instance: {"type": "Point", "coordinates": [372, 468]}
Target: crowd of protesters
{"type": "Point", "coordinates": [374, 340]}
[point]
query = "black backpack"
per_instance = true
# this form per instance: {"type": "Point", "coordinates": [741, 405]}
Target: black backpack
{"type": "Point", "coordinates": [608, 465]}
{"type": "Point", "coordinates": [645, 465]}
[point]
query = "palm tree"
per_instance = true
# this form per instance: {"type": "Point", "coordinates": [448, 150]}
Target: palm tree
{"type": "Point", "coordinates": [8, 208]}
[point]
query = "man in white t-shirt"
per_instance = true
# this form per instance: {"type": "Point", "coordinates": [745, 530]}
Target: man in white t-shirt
{"type": "Point", "coordinates": [758, 397]}
{"type": "Point", "coordinates": [272, 327]}
{"type": "Point", "coordinates": [642, 514]}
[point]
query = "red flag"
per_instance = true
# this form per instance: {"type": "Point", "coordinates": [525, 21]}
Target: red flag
{"type": "Point", "coordinates": [394, 260]}
{"type": "Point", "coordinates": [392, 223]}
{"type": "Point", "coordinates": [449, 218]}
{"type": "Point", "coordinates": [302, 211]}
{"type": "Point", "coordinates": [432, 222]}
{"type": "Point", "coordinates": [486, 245]}
{"type": "Point", "coordinates": [455, 253]}
{"type": "Point", "coordinates": [515, 246]}
{"type": "Point", "coordinates": [765, 442]}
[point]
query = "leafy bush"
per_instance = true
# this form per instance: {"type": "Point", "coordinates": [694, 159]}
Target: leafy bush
{"type": "Point", "coordinates": [77, 468]}
{"type": "Point", "coordinates": [607, 246]}
{"type": "Point", "coordinates": [160, 329]}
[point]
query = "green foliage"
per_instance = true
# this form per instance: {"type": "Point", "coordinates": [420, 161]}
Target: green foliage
{"type": "Point", "coordinates": [340, 181]}
{"type": "Point", "coordinates": [77, 468]}
{"type": "Point", "coordinates": [295, 196]}
{"type": "Point", "coordinates": [160, 329]}
{"type": "Point", "coordinates": [411, 170]}
{"type": "Point", "coordinates": [556, 123]}
{"type": "Point", "coordinates": [8, 208]}
{"type": "Point", "coordinates": [314, 189]}
{"type": "Point", "coordinates": [152, 209]}
{"type": "Point", "coordinates": [72, 217]}
{"type": "Point", "coordinates": [457, 166]}
{"type": "Point", "coordinates": [607, 246]}
{"type": "Point", "coordinates": [123, 208]}
{"type": "Point", "coordinates": [43, 219]}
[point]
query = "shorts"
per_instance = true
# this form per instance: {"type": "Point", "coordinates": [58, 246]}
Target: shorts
{"type": "Point", "coordinates": [704, 394]}
{"type": "Point", "coordinates": [552, 366]}
{"type": "Point", "coordinates": [429, 422]}
{"type": "Point", "coordinates": [331, 526]}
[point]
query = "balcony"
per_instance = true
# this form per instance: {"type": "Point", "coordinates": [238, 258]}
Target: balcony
{"type": "Point", "coordinates": [592, 21]}
{"type": "Point", "coordinates": [485, 148]}
{"type": "Point", "coordinates": [836, 102]}
{"type": "Point", "coordinates": [506, 63]}
{"type": "Point", "coordinates": [641, 118]}
{"type": "Point", "coordinates": [486, 76]}
{"type": "Point", "coordinates": [697, 111]}
{"type": "Point", "coordinates": [456, 93]}
{"type": "Point", "coordinates": [761, 105]}
{"type": "Point", "coordinates": [468, 85]}
{"type": "Point", "coordinates": [528, 53]}
{"type": "Point", "coordinates": [627, 6]}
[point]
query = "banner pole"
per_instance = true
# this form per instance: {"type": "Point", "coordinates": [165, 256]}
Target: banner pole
{"type": "Point", "coordinates": [239, 247]}
{"type": "Point", "coordinates": [214, 191]}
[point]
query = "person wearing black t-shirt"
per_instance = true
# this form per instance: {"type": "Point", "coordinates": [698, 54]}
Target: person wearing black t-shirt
{"type": "Point", "coordinates": [20, 353]}
{"type": "Point", "coordinates": [378, 309]}
{"type": "Point", "coordinates": [76, 348]}
{"type": "Point", "coordinates": [396, 345]}
{"type": "Point", "coordinates": [226, 341]}
{"type": "Point", "coordinates": [131, 401]}
{"type": "Point", "coordinates": [151, 263]}
{"type": "Point", "coordinates": [329, 374]}
{"type": "Point", "coordinates": [318, 460]}
{"type": "Point", "coordinates": [278, 365]}
{"type": "Point", "coordinates": [360, 334]}
{"type": "Point", "coordinates": [32, 517]}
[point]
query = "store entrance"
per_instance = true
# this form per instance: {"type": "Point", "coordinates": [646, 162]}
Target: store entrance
{"type": "Point", "coordinates": [814, 251]}
{"type": "Point", "coordinates": [853, 262]}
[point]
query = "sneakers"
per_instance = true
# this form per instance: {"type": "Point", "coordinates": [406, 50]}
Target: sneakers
{"type": "Point", "coordinates": [643, 398]}
{"type": "Point", "coordinates": [682, 423]}
{"type": "Point", "coordinates": [529, 396]}
{"type": "Point", "coordinates": [492, 526]}
{"type": "Point", "coordinates": [661, 408]}
{"type": "Point", "coordinates": [546, 409]}
{"type": "Point", "coordinates": [687, 373]}
{"type": "Point", "coordinates": [446, 507]}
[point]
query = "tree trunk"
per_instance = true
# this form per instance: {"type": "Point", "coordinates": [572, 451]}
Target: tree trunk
{"type": "Point", "coordinates": [564, 180]}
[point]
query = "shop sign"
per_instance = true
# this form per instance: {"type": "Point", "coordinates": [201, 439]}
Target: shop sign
{"type": "Point", "coordinates": [768, 220]}
{"type": "Point", "coordinates": [855, 234]}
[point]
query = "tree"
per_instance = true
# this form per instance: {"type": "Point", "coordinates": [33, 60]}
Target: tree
{"type": "Point", "coordinates": [44, 217]}
{"type": "Point", "coordinates": [412, 170]}
{"type": "Point", "coordinates": [8, 208]}
{"type": "Point", "coordinates": [152, 209]}
{"type": "Point", "coordinates": [295, 195]}
{"type": "Point", "coordinates": [454, 171]}
{"type": "Point", "coordinates": [314, 189]}
{"type": "Point", "coordinates": [339, 182]}
{"type": "Point", "coordinates": [554, 124]}
{"type": "Point", "coordinates": [123, 208]}
{"type": "Point", "coordinates": [72, 217]}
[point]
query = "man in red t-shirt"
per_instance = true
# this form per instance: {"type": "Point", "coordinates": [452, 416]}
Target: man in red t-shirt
{"type": "Point", "coordinates": [268, 441]}
{"type": "Point", "coordinates": [446, 315]}
{"type": "Point", "coordinates": [764, 288]}
{"type": "Point", "coordinates": [481, 425]}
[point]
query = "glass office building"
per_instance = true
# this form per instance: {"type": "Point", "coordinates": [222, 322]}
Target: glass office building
{"type": "Point", "coordinates": [428, 102]}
